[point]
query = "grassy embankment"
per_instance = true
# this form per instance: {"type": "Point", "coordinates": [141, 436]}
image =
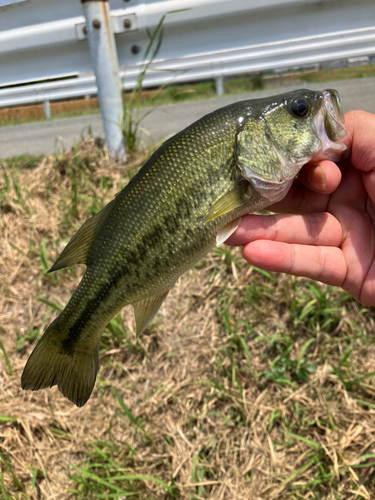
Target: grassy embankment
{"type": "Point", "coordinates": [188, 92]}
{"type": "Point", "coordinates": [249, 385]}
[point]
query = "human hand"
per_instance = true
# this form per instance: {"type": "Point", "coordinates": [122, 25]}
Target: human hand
{"type": "Point", "coordinates": [331, 236]}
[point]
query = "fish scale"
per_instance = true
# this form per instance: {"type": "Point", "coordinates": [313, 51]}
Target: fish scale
{"type": "Point", "coordinates": [187, 196]}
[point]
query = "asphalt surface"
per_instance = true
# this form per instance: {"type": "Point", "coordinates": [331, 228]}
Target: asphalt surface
{"type": "Point", "coordinates": [54, 135]}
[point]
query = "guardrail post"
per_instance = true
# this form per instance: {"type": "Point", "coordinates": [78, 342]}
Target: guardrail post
{"type": "Point", "coordinates": [105, 61]}
{"type": "Point", "coordinates": [219, 83]}
{"type": "Point", "coordinates": [47, 109]}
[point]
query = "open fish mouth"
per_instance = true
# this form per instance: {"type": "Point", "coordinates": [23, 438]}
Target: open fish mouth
{"type": "Point", "coordinates": [329, 126]}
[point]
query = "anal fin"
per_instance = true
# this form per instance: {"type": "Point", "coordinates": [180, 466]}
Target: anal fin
{"type": "Point", "coordinates": [145, 310]}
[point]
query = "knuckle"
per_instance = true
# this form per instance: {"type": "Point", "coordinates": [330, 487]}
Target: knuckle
{"type": "Point", "coordinates": [321, 262]}
{"type": "Point", "coordinates": [292, 260]}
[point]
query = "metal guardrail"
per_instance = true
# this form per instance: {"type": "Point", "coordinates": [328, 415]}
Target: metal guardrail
{"type": "Point", "coordinates": [210, 40]}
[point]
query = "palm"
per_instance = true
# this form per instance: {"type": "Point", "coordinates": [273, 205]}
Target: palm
{"type": "Point", "coordinates": [354, 210]}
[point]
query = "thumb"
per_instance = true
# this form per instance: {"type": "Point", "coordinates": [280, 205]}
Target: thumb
{"type": "Point", "coordinates": [360, 126]}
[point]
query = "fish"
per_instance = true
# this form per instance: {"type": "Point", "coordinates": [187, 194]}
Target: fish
{"type": "Point", "coordinates": [188, 196]}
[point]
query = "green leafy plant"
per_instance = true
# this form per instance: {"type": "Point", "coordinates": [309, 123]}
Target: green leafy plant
{"type": "Point", "coordinates": [132, 104]}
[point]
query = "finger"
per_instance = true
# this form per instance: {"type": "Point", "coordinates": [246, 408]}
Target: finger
{"type": "Point", "coordinates": [326, 264]}
{"type": "Point", "coordinates": [310, 229]}
{"type": "Point", "coordinates": [361, 128]}
{"type": "Point", "coordinates": [369, 182]}
{"type": "Point", "coordinates": [323, 176]}
{"type": "Point", "coordinates": [300, 200]}
{"type": "Point", "coordinates": [309, 193]}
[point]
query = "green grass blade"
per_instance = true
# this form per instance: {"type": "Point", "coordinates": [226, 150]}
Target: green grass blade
{"type": "Point", "coordinates": [140, 477]}
{"type": "Point", "coordinates": [97, 479]}
{"type": "Point", "coordinates": [365, 403]}
{"type": "Point", "coordinates": [298, 471]}
{"type": "Point", "coordinates": [304, 440]}
{"type": "Point", "coordinates": [16, 481]}
{"type": "Point", "coordinates": [360, 379]}
{"type": "Point", "coordinates": [129, 414]}
{"type": "Point", "coordinates": [4, 418]}
{"type": "Point", "coordinates": [302, 353]}
{"type": "Point", "coordinates": [56, 307]}
{"type": "Point", "coordinates": [6, 359]}
{"type": "Point", "coordinates": [3, 490]}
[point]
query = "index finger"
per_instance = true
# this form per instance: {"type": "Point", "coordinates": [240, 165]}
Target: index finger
{"type": "Point", "coordinates": [300, 200]}
{"type": "Point", "coordinates": [310, 191]}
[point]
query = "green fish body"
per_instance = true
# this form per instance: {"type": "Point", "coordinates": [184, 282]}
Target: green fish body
{"type": "Point", "coordinates": [188, 196]}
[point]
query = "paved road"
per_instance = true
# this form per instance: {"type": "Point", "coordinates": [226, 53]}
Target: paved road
{"type": "Point", "coordinates": [49, 136]}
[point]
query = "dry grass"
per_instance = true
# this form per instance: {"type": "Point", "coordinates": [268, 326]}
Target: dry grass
{"type": "Point", "coordinates": [249, 385]}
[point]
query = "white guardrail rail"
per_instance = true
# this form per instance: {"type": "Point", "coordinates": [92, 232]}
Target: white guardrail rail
{"type": "Point", "coordinates": [43, 41]}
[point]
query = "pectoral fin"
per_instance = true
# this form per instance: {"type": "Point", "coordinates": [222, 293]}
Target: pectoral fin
{"type": "Point", "coordinates": [230, 201]}
{"type": "Point", "coordinates": [77, 249]}
{"type": "Point", "coordinates": [145, 310]}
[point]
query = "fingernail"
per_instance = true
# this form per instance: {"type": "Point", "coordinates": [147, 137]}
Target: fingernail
{"type": "Point", "coordinates": [317, 178]}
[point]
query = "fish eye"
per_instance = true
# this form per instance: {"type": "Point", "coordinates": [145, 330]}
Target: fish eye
{"type": "Point", "coordinates": [300, 107]}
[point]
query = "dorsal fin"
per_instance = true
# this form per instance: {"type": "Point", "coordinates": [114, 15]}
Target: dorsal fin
{"type": "Point", "coordinates": [77, 249]}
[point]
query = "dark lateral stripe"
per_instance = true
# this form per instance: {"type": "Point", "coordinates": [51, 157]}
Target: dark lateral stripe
{"type": "Point", "coordinates": [194, 238]}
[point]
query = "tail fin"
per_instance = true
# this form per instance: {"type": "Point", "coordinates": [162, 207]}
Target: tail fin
{"type": "Point", "coordinates": [73, 370]}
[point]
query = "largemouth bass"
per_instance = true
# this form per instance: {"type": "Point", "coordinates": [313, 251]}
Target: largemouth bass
{"type": "Point", "coordinates": [188, 196]}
